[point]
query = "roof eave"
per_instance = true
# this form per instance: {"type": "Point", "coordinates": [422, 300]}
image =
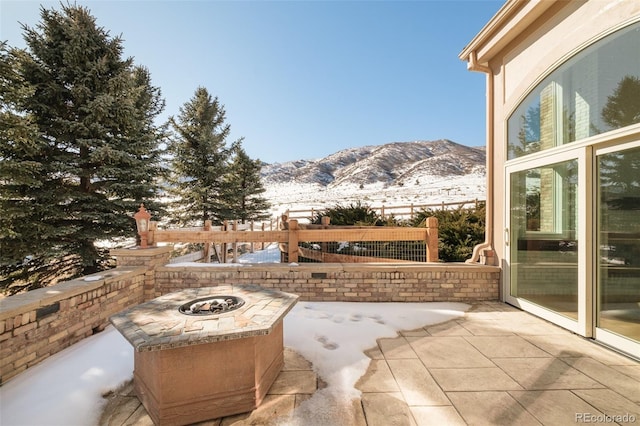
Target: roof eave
{"type": "Point", "coordinates": [512, 18]}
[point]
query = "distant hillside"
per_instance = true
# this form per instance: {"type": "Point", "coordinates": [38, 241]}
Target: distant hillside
{"type": "Point", "coordinates": [390, 164]}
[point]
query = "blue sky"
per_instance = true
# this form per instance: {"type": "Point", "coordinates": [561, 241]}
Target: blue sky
{"type": "Point", "coordinates": [303, 79]}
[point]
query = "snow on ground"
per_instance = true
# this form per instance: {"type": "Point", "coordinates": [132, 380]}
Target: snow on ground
{"type": "Point", "coordinates": [66, 389]}
{"type": "Point", "coordinates": [334, 337]}
{"type": "Point", "coordinates": [430, 190]}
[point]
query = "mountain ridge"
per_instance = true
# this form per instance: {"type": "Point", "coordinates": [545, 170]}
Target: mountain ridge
{"type": "Point", "coordinates": [394, 163]}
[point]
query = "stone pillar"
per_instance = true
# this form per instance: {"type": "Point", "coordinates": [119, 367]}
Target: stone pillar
{"type": "Point", "coordinates": [149, 258]}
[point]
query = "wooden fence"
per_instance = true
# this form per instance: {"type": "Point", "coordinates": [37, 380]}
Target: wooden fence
{"type": "Point", "coordinates": [400, 211]}
{"type": "Point", "coordinates": [292, 235]}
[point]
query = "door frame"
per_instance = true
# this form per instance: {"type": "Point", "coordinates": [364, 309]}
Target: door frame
{"type": "Point", "coordinates": [603, 336]}
{"type": "Point", "coordinates": [584, 325]}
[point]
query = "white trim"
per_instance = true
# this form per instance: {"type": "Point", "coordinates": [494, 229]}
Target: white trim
{"type": "Point", "coordinates": [623, 344]}
{"type": "Point", "coordinates": [584, 324]}
{"type": "Point", "coordinates": [586, 245]}
{"type": "Point", "coordinates": [613, 147]}
{"type": "Point", "coordinates": [546, 314]}
{"type": "Point", "coordinates": [609, 141]}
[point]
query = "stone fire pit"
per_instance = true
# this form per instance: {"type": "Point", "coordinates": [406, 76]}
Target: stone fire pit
{"type": "Point", "coordinates": [205, 353]}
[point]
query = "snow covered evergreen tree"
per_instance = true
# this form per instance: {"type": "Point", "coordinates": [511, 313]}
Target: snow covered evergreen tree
{"type": "Point", "coordinates": [79, 150]}
{"type": "Point", "coordinates": [200, 161]}
{"type": "Point", "coordinates": [245, 187]}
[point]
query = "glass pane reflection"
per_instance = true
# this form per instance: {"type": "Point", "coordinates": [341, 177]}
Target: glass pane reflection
{"type": "Point", "coordinates": [596, 91]}
{"type": "Point", "coordinates": [543, 237]}
{"type": "Point", "coordinates": [619, 243]}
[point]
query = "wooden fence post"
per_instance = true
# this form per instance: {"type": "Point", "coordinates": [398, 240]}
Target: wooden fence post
{"type": "Point", "coordinates": [207, 245]}
{"type": "Point", "coordinates": [432, 239]}
{"type": "Point", "coordinates": [234, 245]}
{"type": "Point", "coordinates": [325, 221]}
{"type": "Point", "coordinates": [251, 247]}
{"type": "Point", "coordinates": [225, 227]}
{"type": "Point", "coordinates": [293, 241]}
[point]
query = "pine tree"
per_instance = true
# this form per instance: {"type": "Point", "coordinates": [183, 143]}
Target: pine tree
{"type": "Point", "coordinates": [200, 161]}
{"type": "Point", "coordinates": [244, 187]}
{"type": "Point", "coordinates": [79, 149]}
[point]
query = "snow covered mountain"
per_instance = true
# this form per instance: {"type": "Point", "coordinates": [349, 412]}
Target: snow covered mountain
{"type": "Point", "coordinates": [397, 173]}
{"type": "Point", "coordinates": [390, 164]}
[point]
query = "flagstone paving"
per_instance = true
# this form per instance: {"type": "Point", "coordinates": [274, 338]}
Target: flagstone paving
{"type": "Point", "coordinates": [497, 365]}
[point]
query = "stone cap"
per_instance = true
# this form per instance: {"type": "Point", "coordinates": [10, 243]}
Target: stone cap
{"type": "Point", "coordinates": [158, 324]}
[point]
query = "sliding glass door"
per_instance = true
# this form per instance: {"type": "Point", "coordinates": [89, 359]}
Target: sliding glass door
{"type": "Point", "coordinates": [618, 237]}
{"type": "Point", "coordinates": [573, 241]}
{"type": "Point", "coordinates": [543, 237]}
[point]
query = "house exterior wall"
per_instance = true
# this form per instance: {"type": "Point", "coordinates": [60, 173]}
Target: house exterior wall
{"type": "Point", "coordinates": [534, 48]}
{"type": "Point", "coordinates": [591, 292]}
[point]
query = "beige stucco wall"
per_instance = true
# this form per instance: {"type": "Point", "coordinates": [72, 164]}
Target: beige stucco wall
{"type": "Point", "coordinates": [521, 51]}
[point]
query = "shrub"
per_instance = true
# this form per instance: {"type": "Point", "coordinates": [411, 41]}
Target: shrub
{"type": "Point", "coordinates": [353, 214]}
{"type": "Point", "coordinates": [459, 231]}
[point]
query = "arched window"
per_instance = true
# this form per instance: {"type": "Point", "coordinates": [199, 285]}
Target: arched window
{"type": "Point", "coordinates": [595, 91]}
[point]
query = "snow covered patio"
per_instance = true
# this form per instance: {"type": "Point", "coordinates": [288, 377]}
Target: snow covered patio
{"type": "Point", "coordinates": [465, 360]}
{"type": "Point", "coordinates": [491, 365]}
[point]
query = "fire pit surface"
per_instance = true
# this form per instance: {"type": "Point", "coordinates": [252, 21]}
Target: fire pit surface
{"type": "Point", "coordinates": [160, 323]}
{"type": "Point", "coordinates": [190, 367]}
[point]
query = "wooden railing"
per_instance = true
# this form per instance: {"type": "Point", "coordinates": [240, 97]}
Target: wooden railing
{"type": "Point", "coordinates": [400, 211]}
{"type": "Point", "coordinates": [293, 234]}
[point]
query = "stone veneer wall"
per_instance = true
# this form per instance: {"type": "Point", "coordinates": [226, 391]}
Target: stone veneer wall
{"type": "Point", "coordinates": [42, 322]}
{"type": "Point", "coordinates": [357, 282]}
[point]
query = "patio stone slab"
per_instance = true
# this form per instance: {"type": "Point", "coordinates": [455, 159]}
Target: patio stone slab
{"type": "Point", "coordinates": [572, 346]}
{"type": "Point", "coordinates": [473, 379]}
{"type": "Point", "coordinates": [555, 407]}
{"type": "Point", "coordinates": [294, 361]}
{"type": "Point", "coordinates": [609, 402]}
{"type": "Point", "coordinates": [414, 333]}
{"type": "Point", "coordinates": [538, 328]}
{"type": "Point", "coordinates": [486, 327]}
{"type": "Point", "coordinates": [494, 366]}
{"type": "Point", "coordinates": [545, 373]}
{"type": "Point", "coordinates": [141, 418]}
{"type": "Point", "coordinates": [374, 353]}
{"type": "Point", "coordinates": [491, 408]}
{"type": "Point", "coordinates": [443, 415]}
{"type": "Point", "coordinates": [507, 316]}
{"type": "Point", "coordinates": [632, 371]}
{"type": "Point", "coordinates": [386, 409]}
{"type": "Point", "coordinates": [506, 347]}
{"type": "Point", "coordinates": [416, 384]}
{"type": "Point", "coordinates": [293, 382]}
{"type": "Point", "coordinates": [118, 415]}
{"type": "Point", "coordinates": [607, 376]}
{"type": "Point", "coordinates": [448, 352]}
{"type": "Point", "coordinates": [378, 378]}
{"type": "Point", "coordinates": [396, 348]}
{"type": "Point", "coordinates": [451, 328]}
{"type": "Point", "coordinates": [269, 413]}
